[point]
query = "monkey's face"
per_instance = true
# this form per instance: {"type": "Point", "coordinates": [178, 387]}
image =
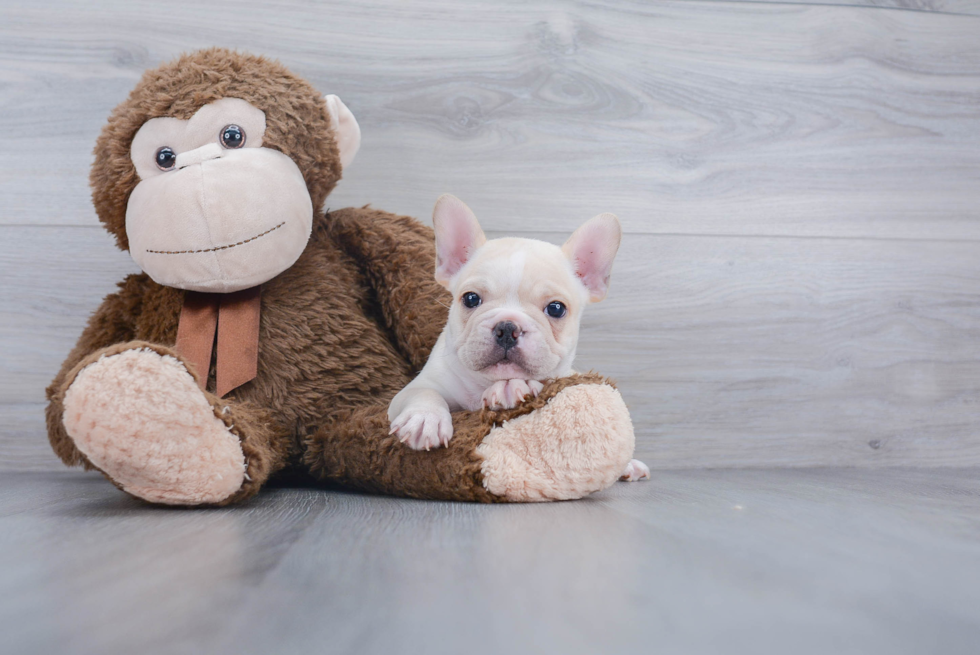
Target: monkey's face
{"type": "Point", "coordinates": [214, 210]}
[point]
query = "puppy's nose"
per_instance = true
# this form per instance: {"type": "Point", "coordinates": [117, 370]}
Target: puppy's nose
{"type": "Point", "coordinates": [506, 333]}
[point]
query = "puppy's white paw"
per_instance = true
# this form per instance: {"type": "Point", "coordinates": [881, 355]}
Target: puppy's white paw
{"type": "Point", "coordinates": [505, 394]}
{"type": "Point", "coordinates": [423, 429]}
{"type": "Point", "coordinates": [635, 470]}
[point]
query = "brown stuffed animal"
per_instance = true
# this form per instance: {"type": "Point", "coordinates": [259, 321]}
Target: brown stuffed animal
{"type": "Point", "coordinates": [267, 337]}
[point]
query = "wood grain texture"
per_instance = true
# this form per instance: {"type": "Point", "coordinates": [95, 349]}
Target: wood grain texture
{"type": "Point", "coordinates": [681, 117]}
{"type": "Point", "coordinates": [744, 352]}
{"type": "Point", "coordinates": [799, 185]}
{"type": "Point", "coordinates": [24, 439]}
{"type": "Point", "coordinates": [954, 7]}
{"type": "Point", "coordinates": [805, 561]}
{"type": "Point", "coordinates": [97, 586]}
{"type": "Point", "coordinates": [730, 351]}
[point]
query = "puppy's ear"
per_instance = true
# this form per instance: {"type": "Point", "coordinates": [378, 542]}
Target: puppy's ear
{"type": "Point", "coordinates": [346, 131]}
{"type": "Point", "coordinates": [458, 235]}
{"type": "Point", "coordinates": [592, 249]}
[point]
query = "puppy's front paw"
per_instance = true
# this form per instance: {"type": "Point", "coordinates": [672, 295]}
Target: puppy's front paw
{"type": "Point", "coordinates": [423, 429]}
{"type": "Point", "coordinates": [635, 470]}
{"type": "Point", "coordinates": [505, 394]}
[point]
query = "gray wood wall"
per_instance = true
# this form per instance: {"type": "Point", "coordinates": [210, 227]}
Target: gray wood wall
{"type": "Point", "coordinates": [799, 183]}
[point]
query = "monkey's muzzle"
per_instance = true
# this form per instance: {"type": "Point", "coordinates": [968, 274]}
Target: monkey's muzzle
{"type": "Point", "coordinates": [221, 221]}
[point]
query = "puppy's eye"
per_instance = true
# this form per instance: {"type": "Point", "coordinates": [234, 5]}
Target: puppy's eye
{"type": "Point", "coordinates": [470, 300]}
{"type": "Point", "coordinates": [232, 137]}
{"type": "Point", "coordinates": [555, 309]}
{"type": "Point", "coordinates": [166, 158]}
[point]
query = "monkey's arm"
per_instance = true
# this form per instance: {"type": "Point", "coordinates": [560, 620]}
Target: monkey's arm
{"type": "Point", "coordinates": [574, 438]}
{"type": "Point", "coordinates": [112, 323]}
{"type": "Point", "coordinates": [397, 254]}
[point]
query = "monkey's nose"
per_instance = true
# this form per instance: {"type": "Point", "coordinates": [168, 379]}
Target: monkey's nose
{"type": "Point", "coordinates": [198, 155]}
{"type": "Point", "coordinates": [506, 333]}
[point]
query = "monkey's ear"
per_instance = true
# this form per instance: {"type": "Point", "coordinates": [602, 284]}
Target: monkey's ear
{"type": "Point", "coordinates": [347, 132]}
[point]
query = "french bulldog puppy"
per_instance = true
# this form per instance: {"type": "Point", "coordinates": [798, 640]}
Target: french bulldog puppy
{"type": "Point", "coordinates": [514, 321]}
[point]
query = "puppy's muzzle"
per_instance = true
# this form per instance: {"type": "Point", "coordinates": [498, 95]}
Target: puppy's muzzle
{"type": "Point", "coordinates": [506, 333]}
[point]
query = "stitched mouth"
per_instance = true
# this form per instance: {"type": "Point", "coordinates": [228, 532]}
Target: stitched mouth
{"type": "Point", "coordinates": [230, 245]}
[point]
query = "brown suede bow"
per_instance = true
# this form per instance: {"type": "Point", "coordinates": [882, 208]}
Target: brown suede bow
{"type": "Point", "coordinates": [235, 318]}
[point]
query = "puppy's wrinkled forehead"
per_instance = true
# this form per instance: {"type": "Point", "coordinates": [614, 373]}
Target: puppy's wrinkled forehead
{"type": "Point", "coordinates": [525, 267]}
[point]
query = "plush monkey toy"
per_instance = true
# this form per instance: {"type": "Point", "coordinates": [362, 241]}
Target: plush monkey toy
{"type": "Point", "coordinates": [266, 337]}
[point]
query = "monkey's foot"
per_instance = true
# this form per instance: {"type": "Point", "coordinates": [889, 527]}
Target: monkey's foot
{"type": "Point", "coordinates": [140, 417]}
{"type": "Point", "coordinates": [579, 442]}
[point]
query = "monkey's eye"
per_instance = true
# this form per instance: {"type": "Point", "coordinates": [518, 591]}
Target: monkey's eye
{"type": "Point", "coordinates": [470, 300]}
{"type": "Point", "coordinates": [232, 137]}
{"type": "Point", "coordinates": [555, 309]}
{"type": "Point", "coordinates": [166, 158]}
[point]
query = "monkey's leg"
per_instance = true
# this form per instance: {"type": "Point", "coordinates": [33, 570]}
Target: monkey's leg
{"type": "Point", "coordinates": [137, 414]}
{"type": "Point", "coordinates": [574, 438]}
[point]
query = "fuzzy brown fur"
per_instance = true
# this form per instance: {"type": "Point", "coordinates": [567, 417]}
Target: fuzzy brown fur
{"type": "Point", "coordinates": [341, 331]}
{"type": "Point", "coordinates": [349, 451]}
{"type": "Point", "coordinates": [329, 340]}
{"type": "Point", "coordinates": [296, 122]}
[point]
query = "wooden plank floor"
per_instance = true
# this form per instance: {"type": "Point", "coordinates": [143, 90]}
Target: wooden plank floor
{"type": "Point", "coordinates": [779, 561]}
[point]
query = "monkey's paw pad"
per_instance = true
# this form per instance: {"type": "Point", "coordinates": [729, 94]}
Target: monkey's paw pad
{"type": "Point", "coordinates": [580, 442]}
{"type": "Point", "coordinates": [140, 418]}
{"type": "Point", "coordinates": [635, 470]}
{"type": "Point", "coordinates": [506, 394]}
{"type": "Point", "coordinates": [423, 429]}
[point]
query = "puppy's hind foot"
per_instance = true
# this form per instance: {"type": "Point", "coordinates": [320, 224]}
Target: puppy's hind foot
{"type": "Point", "coordinates": [635, 470]}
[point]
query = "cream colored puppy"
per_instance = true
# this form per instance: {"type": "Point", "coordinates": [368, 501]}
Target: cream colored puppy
{"type": "Point", "coordinates": [514, 321]}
